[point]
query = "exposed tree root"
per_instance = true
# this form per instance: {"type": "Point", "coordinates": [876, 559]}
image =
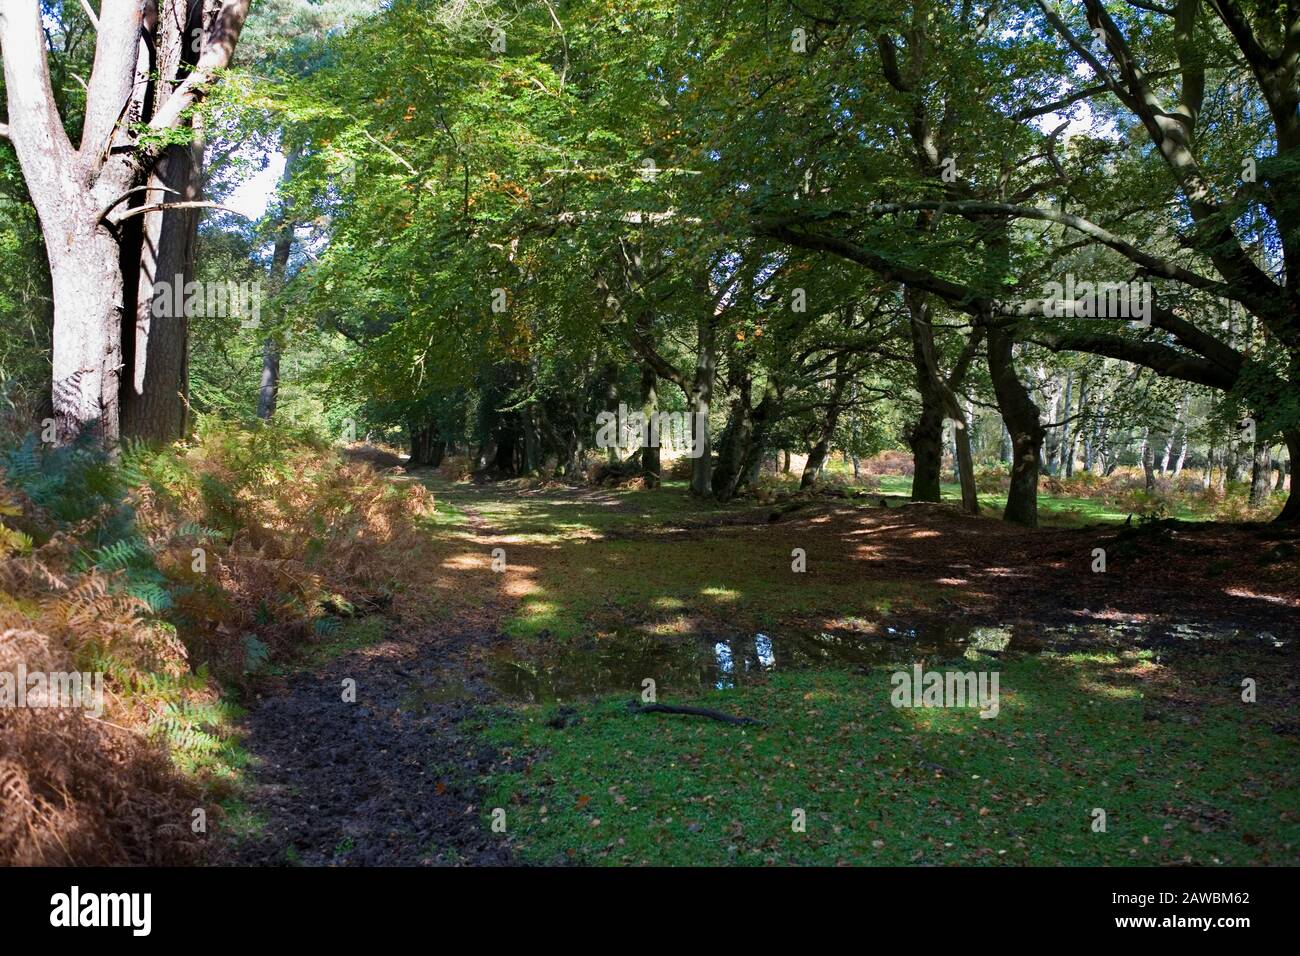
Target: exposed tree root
{"type": "Point", "coordinates": [636, 708]}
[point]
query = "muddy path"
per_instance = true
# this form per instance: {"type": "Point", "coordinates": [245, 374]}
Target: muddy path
{"type": "Point", "coordinates": [386, 779]}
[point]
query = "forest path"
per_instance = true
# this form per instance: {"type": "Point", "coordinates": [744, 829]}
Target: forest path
{"type": "Point", "coordinates": [389, 777]}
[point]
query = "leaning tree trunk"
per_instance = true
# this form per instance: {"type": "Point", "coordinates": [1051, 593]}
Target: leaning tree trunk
{"type": "Point", "coordinates": [817, 457]}
{"type": "Point", "coordinates": [816, 461]}
{"type": "Point", "coordinates": [1022, 420]}
{"type": "Point", "coordinates": [970, 502]}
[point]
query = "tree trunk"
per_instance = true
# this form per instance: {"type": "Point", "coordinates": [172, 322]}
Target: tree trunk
{"type": "Point", "coordinates": [427, 446]}
{"type": "Point", "coordinates": [701, 401]}
{"type": "Point", "coordinates": [269, 390]}
{"type": "Point", "coordinates": [816, 461]}
{"type": "Point", "coordinates": [82, 196]}
{"type": "Point", "coordinates": [1291, 510]}
{"type": "Point", "coordinates": [650, 459]}
{"type": "Point", "coordinates": [925, 438]}
{"type": "Point", "coordinates": [970, 502]}
{"type": "Point", "coordinates": [1173, 436]}
{"type": "Point", "coordinates": [1149, 462]}
{"type": "Point", "coordinates": [764, 417]}
{"type": "Point", "coordinates": [156, 349]}
{"type": "Point", "coordinates": [1066, 463]}
{"type": "Point", "coordinates": [1052, 437]}
{"type": "Point", "coordinates": [817, 457]}
{"type": "Point", "coordinates": [1021, 416]}
{"type": "Point", "coordinates": [86, 282]}
{"type": "Point", "coordinates": [614, 452]}
{"type": "Point", "coordinates": [1259, 475]}
{"type": "Point", "coordinates": [734, 445]}
{"type": "Point", "coordinates": [1081, 430]}
{"type": "Point", "coordinates": [1234, 462]}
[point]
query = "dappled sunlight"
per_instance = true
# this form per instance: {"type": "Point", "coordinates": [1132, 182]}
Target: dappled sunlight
{"type": "Point", "coordinates": [861, 559]}
{"type": "Point", "coordinates": [720, 594]}
{"type": "Point", "coordinates": [1005, 572]}
{"type": "Point", "coordinates": [1269, 598]}
{"type": "Point", "coordinates": [673, 627]}
{"type": "Point", "coordinates": [535, 608]}
{"type": "Point", "coordinates": [870, 551]}
{"type": "Point", "coordinates": [517, 584]}
{"type": "Point", "coordinates": [469, 561]}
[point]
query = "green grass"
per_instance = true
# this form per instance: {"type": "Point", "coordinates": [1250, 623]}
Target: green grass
{"type": "Point", "coordinates": [747, 582]}
{"type": "Point", "coordinates": [600, 557]}
{"type": "Point", "coordinates": [549, 516]}
{"type": "Point", "coordinates": [349, 634]}
{"type": "Point", "coordinates": [241, 821]}
{"type": "Point", "coordinates": [1183, 769]}
{"type": "Point", "coordinates": [1205, 782]}
{"type": "Point", "coordinates": [1053, 511]}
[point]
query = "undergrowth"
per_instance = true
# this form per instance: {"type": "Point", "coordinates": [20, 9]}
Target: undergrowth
{"type": "Point", "coordinates": [177, 574]}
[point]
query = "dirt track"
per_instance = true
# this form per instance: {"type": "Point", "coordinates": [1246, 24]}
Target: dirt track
{"type": "Point", "coordinates": [385, 781]}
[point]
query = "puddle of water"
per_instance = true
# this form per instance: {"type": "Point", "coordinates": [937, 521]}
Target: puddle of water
{"type": "Point", "coordinates": [572, 670]}
{"type": "Point", "coordinates": [623, 661]}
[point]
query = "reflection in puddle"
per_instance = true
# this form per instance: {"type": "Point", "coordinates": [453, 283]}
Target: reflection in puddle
{"type": "Point", "coordinates": [680, 665]}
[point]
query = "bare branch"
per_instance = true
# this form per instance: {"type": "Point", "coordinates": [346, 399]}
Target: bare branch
{"type": "Point", "coordinates": [192, 204]}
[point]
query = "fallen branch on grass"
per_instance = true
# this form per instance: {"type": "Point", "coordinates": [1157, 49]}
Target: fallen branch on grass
{"type": "Point", "coordinates": [636, 708]}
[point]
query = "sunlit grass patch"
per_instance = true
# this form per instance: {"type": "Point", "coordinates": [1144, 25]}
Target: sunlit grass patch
{"type": "Point", "coordinates": [879, 785]}
{"type": "Point", "coordinates": [1053, 510]}
{"type": "Point", "coordinates": [536, 617]}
